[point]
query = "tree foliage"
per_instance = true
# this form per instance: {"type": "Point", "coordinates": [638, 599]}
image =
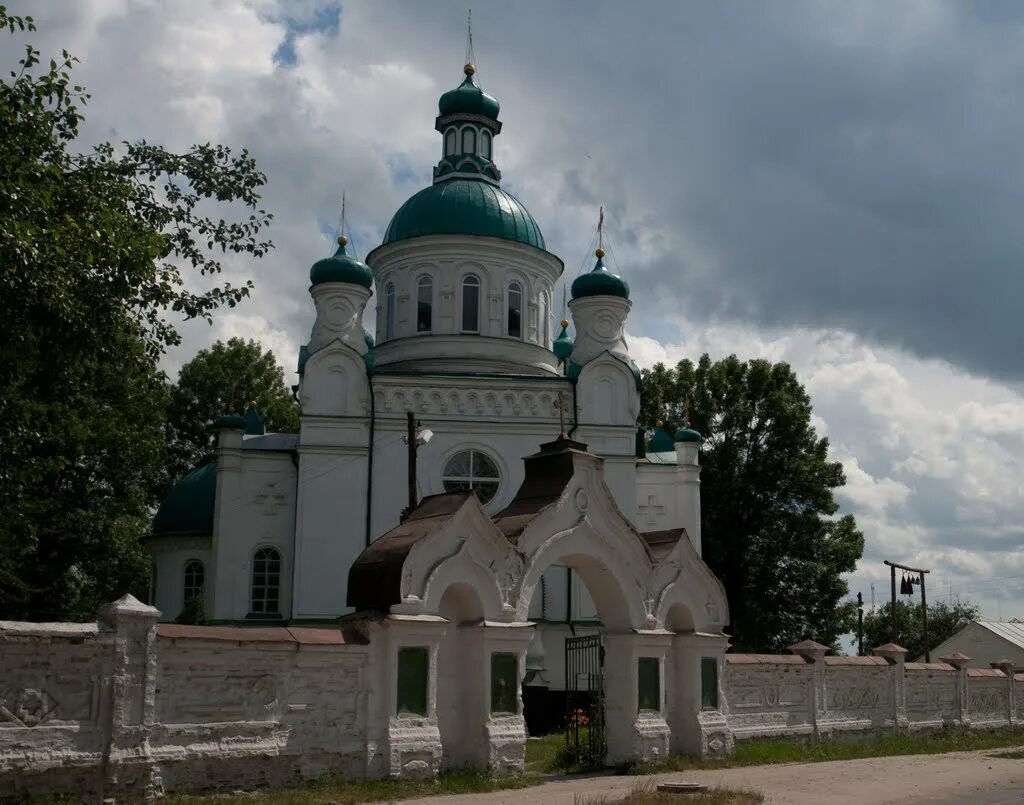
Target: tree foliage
{"type": "Point", "coordinates": [944, 621]}
{"type": "Point", "coordinates": [94, 250]}
{"type": "Point", "coordinates": [770, 530]}
{"type": "Point", "coordinates": [226, 377]}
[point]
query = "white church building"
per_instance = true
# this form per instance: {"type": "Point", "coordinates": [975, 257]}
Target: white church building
{"type": "Point", "coordinates": [519, 534]}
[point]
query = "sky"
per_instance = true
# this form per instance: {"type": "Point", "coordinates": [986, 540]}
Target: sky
{"type": "Point", "coordinates": [834, 185]}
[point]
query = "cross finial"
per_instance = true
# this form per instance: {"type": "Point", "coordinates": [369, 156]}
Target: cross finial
{"type": "Point", "coordinates": [600, 228]}
{"type": "Point", "coordinates": [470, 65]}
{"type": "Point", "coordinates": [561, 405]}
{"type": "Point", "coordinates": [342, 212]}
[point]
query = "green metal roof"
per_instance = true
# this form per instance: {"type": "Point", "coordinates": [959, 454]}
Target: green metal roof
{"type": "Point", "coordinates": [464, 207]}
{"type": "Point", "coordinates": [341, 267]}
{"type": "Point", "coordinates": [688, 435]}
{"type": "Point", "coordinates": [661, 442]}
{"type": "Point", "coordinates": [599, 282]}
{"type": "Point", "coordinates": [187, 508]}
{"type": "Point", "coordinates": [468, 98]}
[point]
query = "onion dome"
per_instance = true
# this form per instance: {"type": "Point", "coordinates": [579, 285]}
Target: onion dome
{"type": "Point", "coordinates": [600, 282]}
{"type": "Point", "coordinates": [464, 207]}
{"type": "Point", "coordinates": [562, 346]}
{"type": "Point", "coordinates": [661, 442]}
{"type": "Point", "coordinates": [253, 422]}
{"type": "Point", "coordinates": [468, 99]}
{"type": "Point", "coordinates": [187, 508]}
{"type": "Point", "coordinates": [230, 421]}
{"type": "Point", "coordinates": [341, 267]}
{"type": "Point", "coordinates": [688, 435]}
{"type": "Point", "coordinates": [368, 340]}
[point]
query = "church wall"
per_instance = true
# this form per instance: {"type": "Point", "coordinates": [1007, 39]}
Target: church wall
{"type": "Point", "coordinates": [258, 512]}
{"type": "Point", "coordinates": [169, 559]}
{"type": "Point", "coordinates": [658, 506]}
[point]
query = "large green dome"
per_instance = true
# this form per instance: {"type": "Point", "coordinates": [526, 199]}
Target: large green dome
{"type": "Point", "coordinates": [187, 508]}
{"type": "Point", "coordinates": [464, 207]}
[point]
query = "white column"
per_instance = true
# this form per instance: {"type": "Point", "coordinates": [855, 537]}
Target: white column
{"type": "Point", "coordinates": [696, 730]}
{"type": "Point", "coordinates": [632, 734]}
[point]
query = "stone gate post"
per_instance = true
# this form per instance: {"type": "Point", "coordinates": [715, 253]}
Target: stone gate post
{"type": "Point", "coordinates": [504, 666]}
{"type": "Point", "coordinates": [1006, 666]}
{"type": "Point", "coordinates": [896, 655]}
{"type": "Point", "coordinates": [634, 676]}
{"type": "Point", "coordinates": [959, 661]}
{"type": "Point", "coordinates": [129, 774]}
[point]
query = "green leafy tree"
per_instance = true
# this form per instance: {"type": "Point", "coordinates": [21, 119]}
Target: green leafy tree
{"type": "Point", "coordinates": [226, 377]}
{"type": "Point", "coordinates": [770, 529]}
{"type": "Point", "coordinates": [94, 250]}
{"type": "Point", "coordinates": [944, 621]}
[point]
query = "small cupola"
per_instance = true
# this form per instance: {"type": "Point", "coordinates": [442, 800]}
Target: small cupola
{"type": "Point", "coordinates": [341, 267]}
{"type": "Point", "coordinates": [467, 118]}
{"type": "Point", "coordinates": [600, 282]}
{"type": "Point", "coordinates": [562, 346]}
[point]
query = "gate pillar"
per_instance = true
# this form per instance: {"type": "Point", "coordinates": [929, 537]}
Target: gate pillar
{"type": "Point", "coordinates": [504, 666]}
{"type": "Point", "coordinates": [696, 711]}
{"type": "Point", "coordinates": [635, 674]}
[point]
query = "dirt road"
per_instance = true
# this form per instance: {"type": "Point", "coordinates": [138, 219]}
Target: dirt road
{"type": "Point", "coordinates": [959, 777]}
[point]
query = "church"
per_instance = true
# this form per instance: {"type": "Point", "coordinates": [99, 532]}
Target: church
{"type": "Point", "coordinates": [534, 499]}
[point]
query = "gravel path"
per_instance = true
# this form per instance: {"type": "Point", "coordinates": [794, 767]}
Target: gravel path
{"type": "Point", "coordinates": [956, 777]}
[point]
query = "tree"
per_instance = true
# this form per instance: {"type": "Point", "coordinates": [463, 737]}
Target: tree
{"type": "Point", "coordinates": [767, 511]}
{"type": "Point", "coordinates": [944, 621]}
{"type": "Point", "coordinates": [94, 249]}
{"type": "Point", "coordinates": [223, 378]}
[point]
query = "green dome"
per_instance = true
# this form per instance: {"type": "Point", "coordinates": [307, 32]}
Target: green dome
{"type": "Point", "coordinates": [368, 340]}
{"type": "Point", "coordinates": [661, 442]}
{"type": "Point", "coordinates": [464, 207]}
{"type": "Point", "coordinates": [600, 282]}
{"type": "Point", "coordinates": [187, 508]}
{"type": "Point", "coordinates": [232, 421]}
{"type": "Point", "coordinates": [688, 435]}
{"type": "Point", "coordinates": [341, 268]}
{"type": "Point", "coordinates": [562, 346]}
{"type": "Point", "coordinates": [468, 99]}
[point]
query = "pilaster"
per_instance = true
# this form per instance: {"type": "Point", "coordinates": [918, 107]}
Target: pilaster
{"type": "Point", "coordinates": [896, 656]}
{"type": "Point", "coordinates": [960, 662]}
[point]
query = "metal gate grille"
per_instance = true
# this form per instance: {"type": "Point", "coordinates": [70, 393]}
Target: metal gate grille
{"type": "Point", "coordinates": [584, 689]}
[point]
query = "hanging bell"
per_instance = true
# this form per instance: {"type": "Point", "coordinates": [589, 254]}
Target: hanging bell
{"type": "Point", "coordinates": [910, 586]}
{"type": "Point", "coordinates": [903, 585]}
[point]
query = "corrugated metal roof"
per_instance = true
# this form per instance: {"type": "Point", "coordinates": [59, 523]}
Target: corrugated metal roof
{"type": "Point", "coordinates": [1011, 632]}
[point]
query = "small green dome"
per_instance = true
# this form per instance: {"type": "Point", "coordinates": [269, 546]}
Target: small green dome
{"type": "Point", "coordinates": [661, 442]}
{"type": "Point", "coordinates": [464, 207]}
{"type": "Point", "coordinates": [688, 435]}
{"type": "Point", "coordinates": [187, 508]}
{"type": "Point", "coordinates": [368, 340]}
{"type": "Point", "coordinates": [253, 422]}
{"type": "Point", "coordinates": [230, 421]}
{"type": "Point", "coordinates": [562, 346]}
{"type": "Point", "coordinates": [468, 99]}
{"type": "Point", "coordinates": [340, 267]}
{"type": "Point", "coordinates": [599, 282]}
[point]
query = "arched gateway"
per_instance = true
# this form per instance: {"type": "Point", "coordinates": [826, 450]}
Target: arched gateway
{"type": "Point", "coordinates": [447, 594]}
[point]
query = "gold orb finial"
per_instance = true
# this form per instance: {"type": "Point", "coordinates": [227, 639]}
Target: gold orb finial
{"type": "Point", "coordinates": [661, 422]}
{"type": "Point", "coordinates": [469, 69]}
{"type": "Point", "coordinates": [599, 252]}
{"type": "Point", "coordinates": [342, 240]}
{"type": "Point", "coordinates": [565, 323]}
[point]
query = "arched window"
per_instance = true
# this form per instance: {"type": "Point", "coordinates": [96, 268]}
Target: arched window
{"type": "Point", "coordinates": [485, 144]}
{"type": "Point", "coordinates": [450, 139]}
{"type": "Point", "coordinates": [266, 582]}
{"type": "Point", "coordinates": [471, 304]}
{"type": "Point", "coordinates": [424, 304]}
{"type": "Point", "coordinates": [472, 469]}
{"type": "Point", "coordinates": [389, 310]}
{"type": "Point", "coordinates": [195, 576]}
{"type": "Point", "coordinates": [545, 320]}
{"type": "Point", "coordinates": [468, 140]}
{"type": "Point", "coordinates": [515, 310]}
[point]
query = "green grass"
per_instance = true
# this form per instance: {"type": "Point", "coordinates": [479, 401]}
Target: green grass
{"type": "Point", "coordinates": [342, 792]}
{"type": "Point", "coordinates": [763, 752]}
{"type": "Point", "coordinates": [1018, 755]}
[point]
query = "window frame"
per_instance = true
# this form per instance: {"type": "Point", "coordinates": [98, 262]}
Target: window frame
{"type": "Point", "coordinates": [425, 281]}
{"type": "Point", "coordinates": [264, 611]}
{"type": "Point", "coordinates": [451, 141]}
{"type": "Point", "coordinates": [403, 680]}
{"type": "Point", "coordinates": [472, 281]}
{"type": "Point", "coordinates": [389, 310]}
{"type": "Point", "coordinates": [518, 290]}
{"type": "Point", "coordinates": [197, 590]}
{"type": "Point", "coordinates": [469, 135]}
{"type": "Point", "coordinates": [485, 144]}
{"type": "Point", "coordinates": [473, 480]}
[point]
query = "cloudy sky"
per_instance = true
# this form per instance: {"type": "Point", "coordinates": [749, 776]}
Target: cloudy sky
{"type": "Point", "coordinates": [833, 184]}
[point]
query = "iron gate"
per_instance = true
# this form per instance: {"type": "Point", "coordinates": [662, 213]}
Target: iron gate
{"type": "Point", "coordinates": [584, 700]}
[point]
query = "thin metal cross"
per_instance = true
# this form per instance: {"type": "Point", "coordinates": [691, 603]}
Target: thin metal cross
{"type": "Point", "coordinates": [561, 406]}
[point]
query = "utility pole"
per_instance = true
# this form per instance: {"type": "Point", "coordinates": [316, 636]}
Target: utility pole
{"type": "Point", "coordinates": [924, 602]}
{"type": "Point", "coordinates": [860, 625]}
{"type": "Point", "coordinates": [410, 419]}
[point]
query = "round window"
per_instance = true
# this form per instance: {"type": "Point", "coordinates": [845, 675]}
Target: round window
{"type": "Point", "coordinates": [471, 469]}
